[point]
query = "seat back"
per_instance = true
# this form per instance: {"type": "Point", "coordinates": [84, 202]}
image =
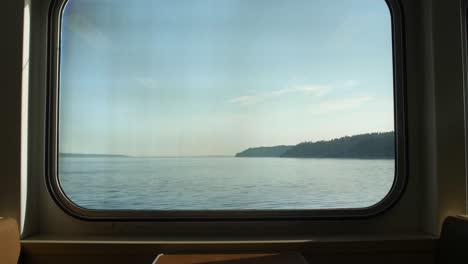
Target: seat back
{"type": "Point", "coordinates": [9, 241]}
{"type": "Point", "coordinates": [453, 242]}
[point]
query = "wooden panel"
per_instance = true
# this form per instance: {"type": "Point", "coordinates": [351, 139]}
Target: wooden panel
{"type": "Point", "coordinates": [289, 258]}
{"type": "Point", "coordinates": [370, 258]}
{"type": "Point", "coordinates": [86, 259]}
{"type": "Point", "coordinates": [9, 241]}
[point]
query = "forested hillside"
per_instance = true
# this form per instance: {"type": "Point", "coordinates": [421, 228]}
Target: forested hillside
{"type": "Point", "coordinates": [364, 146]}
{"type": "Point", "coordinates": [373, 146]}
{"type": "Point", "coordinates": [275, 151]}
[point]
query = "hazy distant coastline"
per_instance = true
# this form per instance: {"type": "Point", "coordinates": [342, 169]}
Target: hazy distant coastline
{"type": "Point", "coordinates": [275, 151]}
{"type": "Point", "coordinates": [363, 146]}
{"type": "Point", "coordinates": [93, 155]}
{"type": "Point", "coordinates": [78, 155]}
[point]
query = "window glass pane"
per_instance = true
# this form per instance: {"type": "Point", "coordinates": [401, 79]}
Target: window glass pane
{"type": "Point", "coordinates": [226, 104]}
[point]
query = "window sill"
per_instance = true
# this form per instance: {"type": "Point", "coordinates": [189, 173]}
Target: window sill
{"type": "Point", "coordinates": [56, 244]}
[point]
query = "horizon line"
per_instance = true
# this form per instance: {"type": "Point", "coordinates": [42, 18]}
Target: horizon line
{"type": "Point", "coordinates": [206, 156]}
{"type": "Point", "coordinates": [136, 156]}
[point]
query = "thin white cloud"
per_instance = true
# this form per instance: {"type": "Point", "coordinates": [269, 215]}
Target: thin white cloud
{"type": "Point", "coordinates": [245, 100]}
{"type": "Point", "coordinates": [345, 104]}
{"type": "Point", "coordinates": [318, 90]}
{"type": "Point", "coordinates": [311, 90]}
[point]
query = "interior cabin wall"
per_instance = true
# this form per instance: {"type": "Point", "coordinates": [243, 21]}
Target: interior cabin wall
{"type": "Point", "coordinates": [421, 113]}
{"type": "Point", "coordinates": [449, 108]}
{"type": "Point", "coordinates": [37, 108]}
{"type": "Point", "coordinates": [11, 41]}
{"type": "Point", "coordinates": [436, 143]}
{"type": "Point", "coordinates": [402, 218]}
{"type": "Point", "coordinates": [428, 197]}
{"type": "Point", "coordinates": [443, 138]}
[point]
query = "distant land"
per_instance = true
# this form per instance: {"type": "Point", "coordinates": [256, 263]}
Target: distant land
{"type": "Point", "coordinates": [364, 146]}
{"type": "Point", "coordinates": [275, 151]}
{"type": "Point", "coordinates": [78, 155]}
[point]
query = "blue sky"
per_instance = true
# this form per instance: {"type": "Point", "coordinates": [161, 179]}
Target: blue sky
{"type": "Point", "coordinates": [213, 77]}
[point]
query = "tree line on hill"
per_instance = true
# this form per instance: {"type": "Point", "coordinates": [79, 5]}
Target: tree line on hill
{"type": "Point", "coordinates": [364, 146]}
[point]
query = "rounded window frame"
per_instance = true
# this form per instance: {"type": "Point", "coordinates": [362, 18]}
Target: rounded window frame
{"type": "Point", "coordinates": [52, 136]}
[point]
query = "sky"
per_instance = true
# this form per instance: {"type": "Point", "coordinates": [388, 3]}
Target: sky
{"type": "Point", "coordinates": [214, 77]}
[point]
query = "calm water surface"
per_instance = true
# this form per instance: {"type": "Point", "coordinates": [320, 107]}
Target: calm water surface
{"type": "Point", "coordinates": [224, 182]}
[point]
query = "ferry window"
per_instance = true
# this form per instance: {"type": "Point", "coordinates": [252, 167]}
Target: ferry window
{"type": "Point", "coordinates": [225, 105]}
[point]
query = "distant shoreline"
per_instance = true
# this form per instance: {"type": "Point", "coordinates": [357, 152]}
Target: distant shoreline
{"type": "Point", "coordinates": [335, 158]}
{"type": "Point", "coordinates": [379, 145]}
{"type": "Point", "coordinates": [77, 155]}
{"type": "Point", "coordinates": [93, 155]}
{"type": "Point", "coordinates": [364, 146]}
{"type": "Point", "coordinates": [81, 155]}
